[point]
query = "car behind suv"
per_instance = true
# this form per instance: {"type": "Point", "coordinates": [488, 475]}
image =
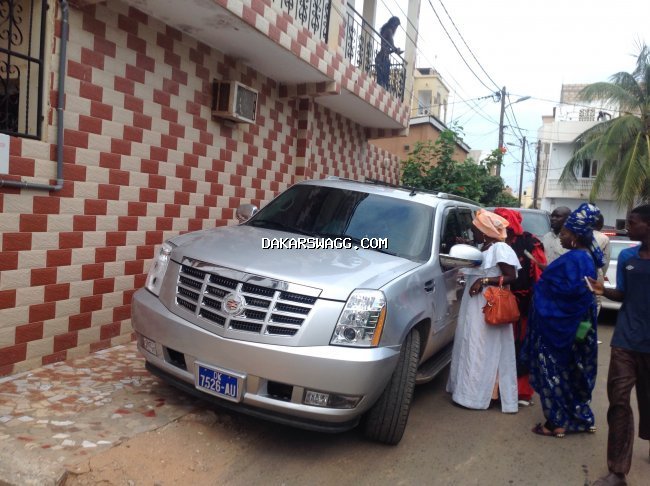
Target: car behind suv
{"type": "Point", "coordinates": [535, 221]}
{"type": "Point", "coordinates": [325, 307]}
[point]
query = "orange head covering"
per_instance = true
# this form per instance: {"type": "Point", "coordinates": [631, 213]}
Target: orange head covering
{"type": "Point", "coordinates": [490, 224]}
{"type": "Point", "coordinates": [514, 219]}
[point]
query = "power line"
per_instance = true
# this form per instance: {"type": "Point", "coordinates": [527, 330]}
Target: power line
{"type": "Point", "coordinates": [423, 56]}
{"type": "Point", "coordinates": [456, 47]}
{"type": "Point", "coordinates": [470, 51]}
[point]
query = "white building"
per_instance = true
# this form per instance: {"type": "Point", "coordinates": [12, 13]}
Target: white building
{"type": "Point", "coordinates": [557, 137]}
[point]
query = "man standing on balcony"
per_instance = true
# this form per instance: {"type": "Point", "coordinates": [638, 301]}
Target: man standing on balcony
{"type": "Point", "coordinates": [382, 60]}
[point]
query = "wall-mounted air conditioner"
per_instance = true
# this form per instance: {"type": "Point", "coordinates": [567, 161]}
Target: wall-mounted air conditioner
{"type": "Point", "coordinates": [234, 101]}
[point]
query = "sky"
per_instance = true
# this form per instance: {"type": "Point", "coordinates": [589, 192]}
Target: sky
{"type": "Point", "coordinates": [530, 47]}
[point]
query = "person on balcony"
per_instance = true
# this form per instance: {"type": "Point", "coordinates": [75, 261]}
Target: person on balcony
{"type": "Point", "coordinates": [382, 60]}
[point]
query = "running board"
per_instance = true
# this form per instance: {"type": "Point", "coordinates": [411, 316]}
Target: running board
{"type": "Point", "coordinates": [434, 365]}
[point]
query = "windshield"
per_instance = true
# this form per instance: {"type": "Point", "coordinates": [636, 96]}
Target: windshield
{"type": "Point", "coordinates": [333, 213]}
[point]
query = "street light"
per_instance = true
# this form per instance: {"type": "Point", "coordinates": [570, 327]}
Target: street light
{"type": "Point", "coordinates": [521, 172]}
{"type": "Point", "coordinates": [503, 95]}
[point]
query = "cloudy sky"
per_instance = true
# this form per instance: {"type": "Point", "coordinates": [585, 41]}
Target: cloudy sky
{"type": "Point", "coordinates": [530, 47]}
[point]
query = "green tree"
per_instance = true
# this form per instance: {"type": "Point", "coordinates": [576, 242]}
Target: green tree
{"type": "Point", "coordinates": [430, 165]}
{"type": "Point", "coordinates": [622, 144]}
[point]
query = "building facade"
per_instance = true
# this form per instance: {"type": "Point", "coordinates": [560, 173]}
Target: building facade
{"type": "Point", "coordinates": [430, 94]}
{"type": "Point", "coordinates": [426, 128]}
{"type": "Point", "coordinates": [557, 143]}
{"type": "Point", "coordinates": [115, 137]}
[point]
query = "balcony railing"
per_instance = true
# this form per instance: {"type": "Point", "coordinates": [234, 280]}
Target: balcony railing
{"type": "Point", "coordinates": [314, 14]}
{"type": "Point", "coordinates": [580, 186]}
{"type": "Point", "coordinates": [362, 46]}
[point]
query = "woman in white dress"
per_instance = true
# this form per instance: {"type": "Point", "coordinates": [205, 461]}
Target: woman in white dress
{"type": "Point", "coordinates": [483, 365]}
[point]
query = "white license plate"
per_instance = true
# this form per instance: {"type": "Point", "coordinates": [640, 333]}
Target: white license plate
{"type": "Point", "coordinates": [224, 384]}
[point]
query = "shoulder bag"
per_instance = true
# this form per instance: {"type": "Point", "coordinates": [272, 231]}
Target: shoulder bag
{"type": "Point", "coordinates": [501, 306]}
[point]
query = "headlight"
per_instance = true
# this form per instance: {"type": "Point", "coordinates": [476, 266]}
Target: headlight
{"type": "Point", "coordinates": [362, 319]}
{"type": "Point", "coordinates": [158, 269]}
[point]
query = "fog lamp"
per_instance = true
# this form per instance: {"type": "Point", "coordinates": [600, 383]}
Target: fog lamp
{"type": "Point", "coordinates": [149, 345]}
{"type": "Point", "coordinates": [329, 400]}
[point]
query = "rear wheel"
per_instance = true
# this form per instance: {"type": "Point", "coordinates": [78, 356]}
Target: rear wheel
{"type": "Point", "coordinates": [386, 420]}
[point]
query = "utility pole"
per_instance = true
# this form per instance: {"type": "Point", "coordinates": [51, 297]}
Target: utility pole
{"type": "Point", "coordinates": [521, 172]}
{"type": "Point", "coordinates": [503, 111]}
{"type": "Point", "coordinates": [535, 193]}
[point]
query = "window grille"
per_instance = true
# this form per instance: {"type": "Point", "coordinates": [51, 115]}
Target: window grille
{"type": "Point", "coordinates": [22, 50]}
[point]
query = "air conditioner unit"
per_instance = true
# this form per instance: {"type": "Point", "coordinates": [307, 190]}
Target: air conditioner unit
{"type": "Point", "coordinates": [234, 101]}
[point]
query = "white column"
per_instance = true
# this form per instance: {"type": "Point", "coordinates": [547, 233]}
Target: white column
{"type": "Point", "coordinates": [410, 48]}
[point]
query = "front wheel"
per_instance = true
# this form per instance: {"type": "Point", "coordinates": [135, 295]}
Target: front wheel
{"type": "Point", "coordinates": [386, 420]}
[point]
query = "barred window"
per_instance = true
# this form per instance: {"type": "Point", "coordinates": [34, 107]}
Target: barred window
{"type": "Point", "coordinates": [22, 39]}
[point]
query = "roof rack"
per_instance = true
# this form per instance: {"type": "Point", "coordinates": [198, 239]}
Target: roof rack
{"type": "Point", "coordinates": [416, 190]}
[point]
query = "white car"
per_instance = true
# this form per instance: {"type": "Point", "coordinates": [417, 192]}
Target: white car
{"type": "Point", "coordinates": [617, 245]}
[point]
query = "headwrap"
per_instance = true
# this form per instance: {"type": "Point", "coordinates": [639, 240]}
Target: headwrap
{"type": "Point", "coordinates": [514, 219]}
{"type": "Point", "coordinates": [581, 222]}
{"type": "Point", "coordinates": [491, 224]}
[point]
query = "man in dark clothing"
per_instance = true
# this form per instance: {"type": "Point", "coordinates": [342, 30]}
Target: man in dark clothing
{"type": "Point", "coordinates": [382, 60]}
{"type": "Point", "coordinates": [630, 358]}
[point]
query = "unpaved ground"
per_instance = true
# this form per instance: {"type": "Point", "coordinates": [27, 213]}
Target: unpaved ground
{"type": "Point", "coordinates": [443, 445]}
{"type": "Point", "coordinates": [181, 452]}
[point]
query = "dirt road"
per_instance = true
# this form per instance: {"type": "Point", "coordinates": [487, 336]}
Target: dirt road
{"type": "Point", "coordinates": [443, 445]}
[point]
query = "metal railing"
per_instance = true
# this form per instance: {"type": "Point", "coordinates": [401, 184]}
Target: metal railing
{"type": "Point", "coordinates": [314, 14]}
{"type": "Point", "coordinates": [362, 47]}
{"type": "Point", "coordinates": [22, 38]}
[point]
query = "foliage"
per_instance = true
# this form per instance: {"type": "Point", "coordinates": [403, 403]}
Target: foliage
{"type": "Point", "coordinates": [622, 144]}
{"type": "Point", "coordinates": [430, 165]}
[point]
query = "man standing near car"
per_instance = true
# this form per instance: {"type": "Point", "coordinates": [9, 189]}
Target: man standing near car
{"type": "Point", "coordinates": [551, 240]}
{"type": "Point", "coordinates": [629, 364]}
{"type": "Point", "coordinates": [603, 241]}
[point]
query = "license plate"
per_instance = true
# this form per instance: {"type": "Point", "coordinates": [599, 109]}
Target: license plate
{"type": "Point", "coordinates": [223, 384]}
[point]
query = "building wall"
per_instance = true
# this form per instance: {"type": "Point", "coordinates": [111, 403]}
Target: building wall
{"type": "Point", "coordinates": [402, 146]}
{"type": "Point", "coordinates": [434, 84]}
{"type": "Point", "coordinates": [143, 161]}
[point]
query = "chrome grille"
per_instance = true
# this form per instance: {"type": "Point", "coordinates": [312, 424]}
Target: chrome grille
{"type": "Point", "coordinates": [265, 310]}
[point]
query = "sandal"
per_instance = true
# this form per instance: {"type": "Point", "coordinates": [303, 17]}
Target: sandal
{"type": "Point", "coordinates": [540, 429]}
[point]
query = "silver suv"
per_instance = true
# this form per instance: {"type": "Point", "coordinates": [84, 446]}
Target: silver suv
{"type": "Point", "coordinates": [324, 308]}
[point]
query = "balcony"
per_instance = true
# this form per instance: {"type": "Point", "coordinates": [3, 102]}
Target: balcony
{"type": "Point", "coordinates": [579, 189]}
{"type": "Point", "coordinates": [362, 45]}
{"type": "Point", "coordinates": [298, 44]}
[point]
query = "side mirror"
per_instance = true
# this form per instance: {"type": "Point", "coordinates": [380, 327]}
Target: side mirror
{"type": "Point", "coordinates": [462, 256]}
{"type": "Point", "coordinates": [245, 212]}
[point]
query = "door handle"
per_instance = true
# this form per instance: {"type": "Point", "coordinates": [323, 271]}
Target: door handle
{"type": "Point", "coordinates": [429, 286]}
{"type": "Point", "coordinates": [461, 280]}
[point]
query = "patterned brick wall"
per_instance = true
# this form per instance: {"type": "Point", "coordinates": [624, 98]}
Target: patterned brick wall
{"type": "Point", "coordinates": [143, 161]}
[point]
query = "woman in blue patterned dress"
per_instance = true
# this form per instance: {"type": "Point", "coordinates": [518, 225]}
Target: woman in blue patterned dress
{"type": "Point", "coordinates": [563, 369]}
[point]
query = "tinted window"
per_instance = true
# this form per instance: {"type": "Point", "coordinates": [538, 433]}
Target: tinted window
{"type": "Point", "coordinates": [535, 223]}
{"type": "Point", "coordinates": [333, 212]}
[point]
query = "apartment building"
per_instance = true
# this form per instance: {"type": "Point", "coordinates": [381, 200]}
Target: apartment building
{"type": "Point", "coordinates": [124, 122]}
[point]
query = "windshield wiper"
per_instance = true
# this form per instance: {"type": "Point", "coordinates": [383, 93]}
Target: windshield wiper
{"type": "Point", "coordinates": [266, 223]}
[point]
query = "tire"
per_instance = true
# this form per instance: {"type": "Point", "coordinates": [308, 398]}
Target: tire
{"type": "Point", "coordinates": [386, 421]}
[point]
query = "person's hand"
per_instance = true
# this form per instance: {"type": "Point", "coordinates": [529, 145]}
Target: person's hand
{"type": "Point", "coordinates": [476, 288]}
{"type": "Point", "coordinates": [597, 287]}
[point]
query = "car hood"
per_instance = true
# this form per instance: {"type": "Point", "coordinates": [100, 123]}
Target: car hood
{"type": "Point", "coordinates": [337, 272]}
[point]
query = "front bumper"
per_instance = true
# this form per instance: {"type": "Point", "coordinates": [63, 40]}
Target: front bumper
{"type": "Point", "coordinates": [336, 370]}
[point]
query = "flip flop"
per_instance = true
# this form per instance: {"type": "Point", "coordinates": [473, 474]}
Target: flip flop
{"type": "Point", "coordinates": [540, 430]}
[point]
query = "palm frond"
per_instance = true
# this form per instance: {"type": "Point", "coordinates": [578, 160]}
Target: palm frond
{"type": "Point", "coordinates": [623, 92]}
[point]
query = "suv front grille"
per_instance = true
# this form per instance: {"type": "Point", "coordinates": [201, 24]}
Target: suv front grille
{"type": "Point", "coordinates": [265, 310]}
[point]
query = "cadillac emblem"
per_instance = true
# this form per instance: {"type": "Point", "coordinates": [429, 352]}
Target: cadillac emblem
{"type": "Point", "coordinates": [233, 304]}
